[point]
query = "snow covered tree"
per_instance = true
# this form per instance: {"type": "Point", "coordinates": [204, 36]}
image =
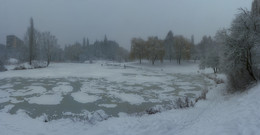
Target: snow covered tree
{"type": "Point", "coordinates": [211, 51]}
{"type": "Point", "coordinates": [242, 40]}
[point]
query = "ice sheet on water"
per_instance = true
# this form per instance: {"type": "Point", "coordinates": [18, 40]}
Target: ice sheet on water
{"type": "Point", "coordinates": [5, 99]}
{"type": "Point", "coordinates": [63, 89]}
{"type": "Point", "coordinates": [46, 99]}
{"type": "Point", "coordinates": [108, 105]}
{"type": "Point", "coordinates": [15, 101]}
{"type": "Point", "coordinates": [7, 108]}
{"type": "Point", "coordinates": [39, 89]}
{"type": "Point", "coordinates": [84, 97]}
{"type": "Point", "coordinates": [6, 86]}
{"type": "Point", "coordinates": [30, 90]}
{"type": "Point", "coordinates": [182, 83]}
{"type": "Point", "coordinates": [90, 88]}
{"type": "Point", "coordinates": [4, 96]}
{"type": "Point", "coordinates": [187, 87]}
{"type": "Point", "coordinates": [63, 83]}
{"type": "Point", "coordinates": [133, 99]}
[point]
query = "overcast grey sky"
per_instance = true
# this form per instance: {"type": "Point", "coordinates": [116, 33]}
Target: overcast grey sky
{"type": "Point", "coordinates": [120, 20]}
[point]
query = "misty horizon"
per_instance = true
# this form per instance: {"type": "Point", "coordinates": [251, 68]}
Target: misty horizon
{"type": "Point", "coordinates": [119, 20]}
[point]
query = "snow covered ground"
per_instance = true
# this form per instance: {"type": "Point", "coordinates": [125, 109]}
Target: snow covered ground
{"type": "Point", "coordinates": [219, 114]}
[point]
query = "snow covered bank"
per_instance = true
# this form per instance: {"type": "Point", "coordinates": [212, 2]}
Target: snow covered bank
{"type": "Point", "coordinates": [99, 69]}
{"type": "Point", "coordinates": [219, 114]}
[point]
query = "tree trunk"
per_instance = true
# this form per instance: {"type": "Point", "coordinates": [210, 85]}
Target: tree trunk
{"type": "Point", "coordinates": [215, 70]}
{"type": "Point", "coordinates": [31, 39]}
{"type": "Point", "coordinates": [48, 60]}
{"type": "Point", "coordinates": [140, 59]}
{"type": "Point", "coordinates": [249, 65]}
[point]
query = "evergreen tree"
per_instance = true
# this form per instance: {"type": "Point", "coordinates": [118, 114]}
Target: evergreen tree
{"type": "Point", "coordinates": [169, 46]}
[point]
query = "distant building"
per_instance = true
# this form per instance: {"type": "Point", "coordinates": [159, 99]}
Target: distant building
{"type": "Point", "coordinates": [13, 42]}
{"type": "Point", "coordinates": [2, 52]}
{"type": "Point", "coordinates": [2, 46]}
{"type": "Point", "coordinates": [256, 7]}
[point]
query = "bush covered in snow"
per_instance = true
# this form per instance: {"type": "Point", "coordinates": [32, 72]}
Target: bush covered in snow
{"type": "Point", "coordinates": [35, 64]}
{"type": "Point", "coordinates": [154, 110]}
{"type": "Point", "coordinates": [12, 61]}
{"type": "Point", "coordinates": [203, 96]}
{"type": "Point", "coordinates": [183, 103]}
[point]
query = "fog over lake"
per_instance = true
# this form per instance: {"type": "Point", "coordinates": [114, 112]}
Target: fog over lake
{"type": "Point", "coordinates": [120, 20]}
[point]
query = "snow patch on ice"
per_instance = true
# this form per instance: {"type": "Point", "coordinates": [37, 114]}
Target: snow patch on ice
{"type": "Point", "coordinates": [6, 86]}
{"type": "Point", "coordinates": [89, 88]}
{"type": "Point", "coordinates": [187, 87]}
{"type": "Point", "coordinates": [63, 83]}
{"type": "Point", "coordinates": [7, 108]}
{"type": "Point", "coordinates": [15, 101]}
{"type": "Point", "coordinates": [108, 105]}
{"type": "Point", "coordinates": [4, 96]}
{"type": "Point", "coordinates": [64, 89]}
{"type": "Point", "coordinates": [133, 99]}
{"type": "Point", "coordinates": [182, 83]}
{"type": "Point", "coordinates": [84, 98]}
{"type": "Point", "coordinates": [5, 99]}
{"type": "Point", "coordinates": [46, 99]}
{"type": "Point", "coordinates": [30, 90]}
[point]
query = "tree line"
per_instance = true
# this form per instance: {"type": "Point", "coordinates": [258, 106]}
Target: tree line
{"type": "Point", "coordinates": [43, 46]}
{"type": "Point", "coordinates": [234, 51]}
{"type": "Point", "coordinates": [172, 47]}
{"type": "Point", "coordinates": [105, 50]}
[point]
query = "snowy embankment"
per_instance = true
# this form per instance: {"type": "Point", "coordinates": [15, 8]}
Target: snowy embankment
{"type": "Point", "coordinates": [219, 114]}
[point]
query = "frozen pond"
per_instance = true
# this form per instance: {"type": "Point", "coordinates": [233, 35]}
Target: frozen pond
{"type": "Point", "coordinates": [77, 97]}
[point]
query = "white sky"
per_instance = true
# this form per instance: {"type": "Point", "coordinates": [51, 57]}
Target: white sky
{"type": "Point", "coordinates": [120, 20]}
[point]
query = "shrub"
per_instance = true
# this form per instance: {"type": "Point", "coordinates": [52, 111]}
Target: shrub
{"type": "Point", "coordinates": [183, 103]}
{"type": "Point", "coordinates": [2, 67]}
{"type": "Point", "coordinates": [203, 96]}
{"type": "Point", "coordinates": [239, 81]}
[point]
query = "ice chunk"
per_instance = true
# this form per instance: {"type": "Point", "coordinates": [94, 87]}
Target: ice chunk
{"type": "Point", "coordinates": [46, 99]}
{"type": "Point", "coordinates": [84, 98]}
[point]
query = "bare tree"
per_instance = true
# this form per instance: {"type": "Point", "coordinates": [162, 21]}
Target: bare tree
{"type": "Point", "coordinates": [49, 42]}
{"type": "Point", "coordinates": [31, 41]}
{"type": "Point", "coordinates": [182, 48]}
{"type": "Point", "coordinates": [155, 49]}
{"type": "Point", "coordinates": [138, 49]}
